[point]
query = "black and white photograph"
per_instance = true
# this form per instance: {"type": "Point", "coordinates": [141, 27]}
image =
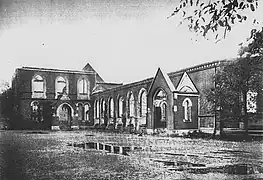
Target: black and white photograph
{"type": "Point", "coordinates": [131, 89]}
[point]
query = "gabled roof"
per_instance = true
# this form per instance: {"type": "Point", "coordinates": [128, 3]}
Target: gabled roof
{"type": "Point", "coordinates": [186, 84]}
{"type": "Point", "coordinates": [101, 86]}
{"type": "Point", "coordinates": [89, 68]}
{"type": "Point", "coordinates": [166, 78]}
{"type": "Point", "coordinates": [98, 88]}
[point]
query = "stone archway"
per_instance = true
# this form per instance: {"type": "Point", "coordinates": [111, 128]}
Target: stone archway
{"type": "Point", "coordinates": [65, 116]}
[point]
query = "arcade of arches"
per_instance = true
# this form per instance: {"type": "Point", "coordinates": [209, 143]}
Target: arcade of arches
{"type": "Point", "coordinates": [157, 105]}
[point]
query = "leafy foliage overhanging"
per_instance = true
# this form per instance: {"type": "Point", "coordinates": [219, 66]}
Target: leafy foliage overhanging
{"type": "Point", "coordinates": [214, 15]}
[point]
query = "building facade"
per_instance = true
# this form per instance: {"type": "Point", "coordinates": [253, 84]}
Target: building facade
{"type": "Point", "coordinates": [62, 99]}
{"type": "Point", "coordinates": [54, 98]}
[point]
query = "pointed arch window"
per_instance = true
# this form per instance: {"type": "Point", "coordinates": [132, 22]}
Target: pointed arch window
{"type": "Point", "coordinates": [86, 112]}
{"type": "Point", "coordinates": [34, 106]}
{"type": "Point", "coordinates": [131, 104]}
{"type": "Point", "coordinates": [164, 111]}
{"type": "Point", "coordinates": [120, 106]}
{"type": "Point", "coordinates": [143, 104]}
{"type": "Point", "coordinates": [61, 86]}
{"type": "Point", "coordinates": [96, 109]}
{"type": "Point", "coordinates": [35, 111]}
{"type": "Point", "coordinates": [83, 88]}
{"type": "Point", "coordinates": [111, 107]}
{"type": "Point", "coordinates": [187, 104]}
{"type": "Point", "coordinates": [103, 108]}
{"type": "Point", "coordinates": [38, 87]}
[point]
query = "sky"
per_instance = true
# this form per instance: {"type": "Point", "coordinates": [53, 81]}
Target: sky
{"type": "Point", "coordinates": [124, 40]}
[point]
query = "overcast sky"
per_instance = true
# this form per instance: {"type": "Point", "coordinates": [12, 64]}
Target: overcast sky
{"type": "Point", "coordinates": [124, 40]}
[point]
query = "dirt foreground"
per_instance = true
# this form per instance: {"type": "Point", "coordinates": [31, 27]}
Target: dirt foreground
{"type": "Point", "coordinates": [26, 155]}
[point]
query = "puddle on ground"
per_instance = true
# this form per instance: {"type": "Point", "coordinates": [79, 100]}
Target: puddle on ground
{"type": "Point", "coordinates": [123, 150]}
{"type": "Point", "coordinates": [36, 132]}
{"type": "Point", "coordinates": [179, 163]}
{"type": "Point", "coordinates": [89, 135]}
{"type": "Point", "coordinates": [225, 151]}
{"type": "Point", "coordinates": [196, 168]}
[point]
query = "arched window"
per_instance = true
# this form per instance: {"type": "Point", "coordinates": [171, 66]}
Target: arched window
{"type": "Point", "coordinates": [61, 86]}
{"type": "Point", "coordinates": [103, 108]}
{"type": "Point", "coordinates": [111, 107]}
{"type": "Point", "coordinates": [86, 110]}
{"type": "Point", "coordinates": [120, 106]}
{"type": "Point", "coordinates": [187, 104]}
{"type": "Point", "coordinates": [143, 103]}
{"type": "Point", "coordinates": [131, 104]}
{"type": "Point", "coordinates": [97, 112]}
{"type": "Point", "coordinates": [34, 106]}
{"type": "Point", "coordinates": [38, 87]}
{"type": "Point", "coordinates": [96, 109]}
{"type": "Point", "coordinates": [35, 111]}
{"type": "Point", "coordinates": [82, 86]}
{"type": "Point", "coordinates": [164, 111]}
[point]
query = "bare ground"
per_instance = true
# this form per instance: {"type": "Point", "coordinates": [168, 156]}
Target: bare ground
{"type": "Point", "coordinates": [47, 155]}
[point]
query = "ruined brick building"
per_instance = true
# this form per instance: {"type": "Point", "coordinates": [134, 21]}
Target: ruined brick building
{"type": "Point", "coordinates": [56, 98]}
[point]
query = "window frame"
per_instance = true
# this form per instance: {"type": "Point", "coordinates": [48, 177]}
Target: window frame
{"type": "Point", "coordinates": [111, 107]}
{"type": "Point", "coordinates": [60, 81]}
{"type": "Point", "coordinates": [187, 104]}
{"type": "Point", "coordinates": [36, 79]}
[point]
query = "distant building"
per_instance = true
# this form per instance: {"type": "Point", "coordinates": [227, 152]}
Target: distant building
{"type": "Point", "coordinates": [55, 99]}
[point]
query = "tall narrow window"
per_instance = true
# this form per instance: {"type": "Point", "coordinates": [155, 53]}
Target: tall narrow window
{"type": "Point", "coordinates": [38, 87]}
{"type": "Point", "coordinates": [97, 109]}
{"type": "Point", "coordinates": [131, 103]}
{"type": "Point", "coordinates": [103, 108]}
{"type": "Point", "coordinates": [61, 87]}
{"type": "Point", "coordinates": [164, 111]}
{"type": "Point", "coordinates": [35, 111]}
{"type": "Point", "coordinates": [82, 86]}
{"type": "Point", "coordinates": [86, 110]}
{"type": "Point", "coordinates": [120, 107]}
{"type": "Point", "coordinates": [143, 104]}
{"type": "Point", "coordinates": [187, 104]}
{"type": "Point", "coordinates": [111, 106]}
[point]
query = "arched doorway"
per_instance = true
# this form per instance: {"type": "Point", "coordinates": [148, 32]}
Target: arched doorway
{"type": "Point", "coordinates": [65, 116]}
{"type": "Point", "coordinates": [160, 109]}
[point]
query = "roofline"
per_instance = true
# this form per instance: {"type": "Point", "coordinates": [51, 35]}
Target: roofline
{"type": "Point", "coordinates": [109, 83]}
{"type": "Point", "coordinates": [127, 85]}
{"type": "Point", "coordinates": [55, 70]}
{"type": "Point", "coordinates": [171, 74]}
{"type": "Point", "coordinates": [199, 67]}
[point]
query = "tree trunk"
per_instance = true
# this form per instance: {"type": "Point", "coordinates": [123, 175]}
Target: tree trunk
{"type": "Point", "coordinates": [215, 121]}
{"type": "Point", "coordinates": [245, 112]}
{"type": "Point", "coordinates": [221, 127]}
